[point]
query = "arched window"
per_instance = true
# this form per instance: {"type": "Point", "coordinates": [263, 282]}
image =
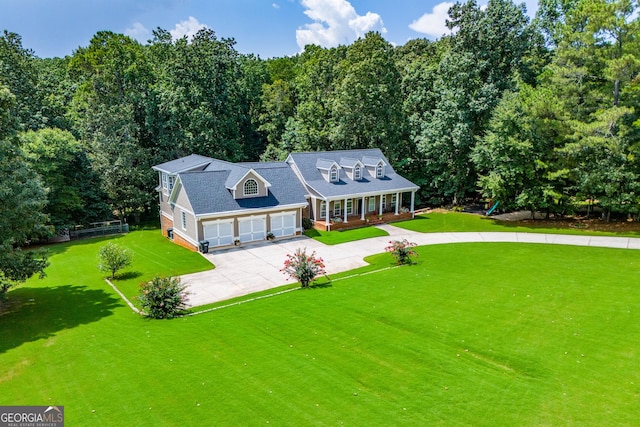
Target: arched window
{"type": "Point", "coordinates": [380, 170]}
{"type": "Point", "coordinates": [334, 174]}
{"type": "Point", "coordinates": [357, 173]}
{"type": "Point", "coordinates": [250, 187]}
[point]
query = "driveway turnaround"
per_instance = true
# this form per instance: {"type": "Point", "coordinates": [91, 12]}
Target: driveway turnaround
{"type": "Point", "coordinates": [256, 267]}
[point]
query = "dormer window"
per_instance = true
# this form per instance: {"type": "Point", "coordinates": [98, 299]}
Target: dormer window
{"type": "Point", "coordinates": [357, 173]}
{"type": "Point", "coordinates": [333, 174]}
{"type": "Point", "coordinates": [379, 170]}
{"type": "Point", "coordinates": [250, 187]}
{"type": "Point", "coordinates": [167, 182]}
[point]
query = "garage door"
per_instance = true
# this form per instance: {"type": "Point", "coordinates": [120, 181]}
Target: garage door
{"type": "Point", "coordinates": [283, 224]}
{"type": "Point", "coordinates": [219, 233]}
{"type": "Point", "coordinates": [252, 228]}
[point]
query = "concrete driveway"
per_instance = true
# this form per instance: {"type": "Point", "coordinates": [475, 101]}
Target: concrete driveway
{"type": "Point", "coordinates": [256, 267]}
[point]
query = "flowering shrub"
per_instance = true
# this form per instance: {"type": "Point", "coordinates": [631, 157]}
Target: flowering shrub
{"type": "Point", "coordinates": [302, 267]}
{"type": "Point", "coordinates": [163, 297]}
{"type": "Point", "coordinates": [401, 250]}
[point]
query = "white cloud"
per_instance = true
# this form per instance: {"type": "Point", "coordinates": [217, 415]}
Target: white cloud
{"type": "Point", "coordinates": [187, 28]}
{"type": "Point", "coordinates": [138, 32]}
{"type": "Point", "coordinates": [434, 23]}
{"type": "Point", "coordinates": [335, 22]}
{"type": "Point", "coordinates": [275, 5]}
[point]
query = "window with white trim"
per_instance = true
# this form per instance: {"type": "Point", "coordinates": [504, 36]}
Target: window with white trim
{"type": "Point", "coordinates": [372, 204]}
{"type": "Point", "coordinates": [323, 209]}
{"type": "Point", "coordinates": [165, 181]}
{"type": "Point", "coordinates": [394, 200]}
{"type": "Point", "coordinates": [380, 170]}
{"type": "Point", "coordinates": [184, 220]}
{"type": "Point", "coordinates": [250, 187]}
{"type": "Point", "coordinates": [337, 207]}
{"type": "Point", "coordinates": [384, 202]}
{"type": "Point", "coordinates": [349, 206]}
{"type": "Point", "coordinates": [172, 179]}
{"type": "Point", "coordinates": [357, 173]}
{"type": "Point", "coordinates": [333, 177]}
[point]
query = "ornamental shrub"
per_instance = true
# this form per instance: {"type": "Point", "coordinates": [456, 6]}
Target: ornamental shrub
{"type": "Point", "coordinates": [163, 297]}
{"type": "Point", "coordinates": [303, 267]}
{"type": "Point", "coordinates": [402, 250]}
{"type": "Point", "coordinates": [113, 258]}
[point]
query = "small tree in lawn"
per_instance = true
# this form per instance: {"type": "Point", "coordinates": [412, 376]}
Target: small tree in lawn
{"type": "Point", "coordinates": [402, 250]}
{"type": "Point", "coordinates": [163, 297]}
{"type": "Point", "coordinates": [114, 258]}
{"type": "Point", "coordinates": [303, 267]}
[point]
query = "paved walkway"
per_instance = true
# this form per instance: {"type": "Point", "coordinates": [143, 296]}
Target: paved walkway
{"type": "Point", "coordinates": [252, 268]}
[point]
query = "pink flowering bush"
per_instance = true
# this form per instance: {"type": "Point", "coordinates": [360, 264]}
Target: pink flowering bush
{"type": "Point", "coordinates": [402, 250]}
{"type": "Point", "coordinates": [303, 267]}
{"type": "Point", "coordinates": [163, 297]}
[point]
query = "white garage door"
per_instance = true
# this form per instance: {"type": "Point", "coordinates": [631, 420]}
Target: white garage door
{"type": "Point", "coordinates": [219, 233]}
{"type": "Point", "coordinates": [252, 228]}
{"type": "Point", "coordinates": [283, 224]}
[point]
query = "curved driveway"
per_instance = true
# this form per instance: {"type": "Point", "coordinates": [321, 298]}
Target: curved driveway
{"type": "Point", "coordinates": [256, 267]}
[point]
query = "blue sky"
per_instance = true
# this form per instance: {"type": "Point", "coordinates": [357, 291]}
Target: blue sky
{"type": "Point", "coordinates": [269, 28]}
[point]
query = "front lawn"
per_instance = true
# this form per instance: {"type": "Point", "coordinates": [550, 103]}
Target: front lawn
{"type": "Point", "coordinates": [343, 236]}
{"type": "Point", "coordinates": [439, 222]}
{"type": "Point", "coordinates": [76, 262]}
{"type": "Point", "coordinates": [474, 334]}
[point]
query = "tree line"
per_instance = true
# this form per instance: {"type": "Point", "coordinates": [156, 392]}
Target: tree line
{"type": "Point", "coordinates": [538, 114]}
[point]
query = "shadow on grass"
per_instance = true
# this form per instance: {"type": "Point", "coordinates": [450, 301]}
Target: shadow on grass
{"type": "Point", "coordinates": [320, 285]}
{"type": "Point", "coordinates": [32, 314]}
{"type": "Point", "coordinates": [312, 232]}
{"type": "Point", "coordinates": [129, 275]}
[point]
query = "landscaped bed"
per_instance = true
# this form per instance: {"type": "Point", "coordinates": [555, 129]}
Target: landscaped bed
{"type": "Point", "coordinates": [481, 334]}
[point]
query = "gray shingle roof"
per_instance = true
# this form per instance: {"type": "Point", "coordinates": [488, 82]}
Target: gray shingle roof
{"type": "Point", "coordinates": [307, 165]}
{"type": "Point", "coordinates": [208, 194]}
{"type": "Point", "coordinates": [373, 160]}
{"type": "Point", "coordinates": [324, 164]}
{"type": "Point", "coordinates": [348, 162]}
{"type": "Point", "coordinates": [193, 161]}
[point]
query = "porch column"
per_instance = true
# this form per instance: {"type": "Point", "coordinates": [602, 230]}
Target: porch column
{"type": "Point", "coordinates": [413, 198]}
{"type": "Point", "coordinates": [397, 202]}
{"type": "Point", "coordinates": [380, 210]}
{"type": "Point", "coordinates": [362, 209]}
{"type": "Point", "coordinates": [345, 210]}
{"type": "Point", "coordinates": [327, 205]}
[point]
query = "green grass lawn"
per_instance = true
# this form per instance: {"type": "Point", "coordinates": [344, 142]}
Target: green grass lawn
{"type": "Point", "coordinates": [343, 236]}
{"type": "Point", "coordinates": [76, 262]}
{"type": "Point", "coordinates": [474, 334]}
{"type": "Point", "coordinates": [438, 222]}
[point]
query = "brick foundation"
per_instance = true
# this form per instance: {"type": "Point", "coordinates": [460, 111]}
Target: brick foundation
{"type": "Point", "coordinates": [184, 243]}
{"type": "Point", "coordinates": [165, 224]}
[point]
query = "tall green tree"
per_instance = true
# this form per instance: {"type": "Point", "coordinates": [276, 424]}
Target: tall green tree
{"type": "Point", "coordinates": [22, 200]}
{"type": "Point", "coordinates": [595, 72]}
{"type": "Point", "coordinates": [109, 111]}
{"type": "Point", "coordinates": [74, 193]}
{"type": "Point", "coordinates": [486, 53]}
{"type": "Point", "coordinates": [367, 107]}
{"type": "Point", "coordinates": [517, 159]}
{"type": "Point", "coordinates": [18, 73]}
{"type": "Point", "coordinates": [311, 127]}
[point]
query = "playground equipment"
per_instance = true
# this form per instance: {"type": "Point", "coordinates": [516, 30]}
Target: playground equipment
{"type": "Point", "coordinates": [490, 211]}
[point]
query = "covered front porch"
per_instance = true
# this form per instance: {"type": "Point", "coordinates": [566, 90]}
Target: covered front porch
{"type": "Point", "coordinates": [353, 212]}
